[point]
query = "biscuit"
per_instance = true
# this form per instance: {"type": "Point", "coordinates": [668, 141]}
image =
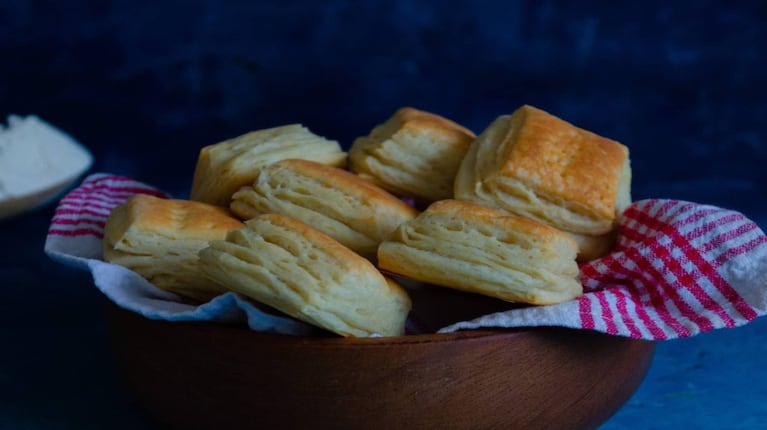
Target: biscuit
{"type": "Point", "coordinates": [224, 167]}
{"type": "Point", "coordinates": [414, 154]}
{"type": "Point", "coordinates": [160, 238]}
{"type": "Point", "coordinates": [533, 164]}
{"type": "Point", "coordinates": [477, 249]}
{"type": "Point", "coordinates": [340, 204]}
{"type": "Point", "coordinates": [286, 264]}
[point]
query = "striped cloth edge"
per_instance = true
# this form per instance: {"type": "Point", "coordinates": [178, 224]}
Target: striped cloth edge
{"type": "Point", "coordinates": [77, 226]}
{"type": "Point", "coordinates": [667, 276]}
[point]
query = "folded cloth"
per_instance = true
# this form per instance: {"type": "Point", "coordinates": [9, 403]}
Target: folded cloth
{"type": "Point", "coordinates": [677, 269]}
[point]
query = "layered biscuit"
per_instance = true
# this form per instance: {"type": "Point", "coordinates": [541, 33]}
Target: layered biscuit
{"type": "Point", "coordinates": [286, 264]}
{"type": "Point", "coordinates": [414, 154]}
{"type": "Point", "coordinates": [349, 209]}
{"type": "Point", "coordinates": [160, 238]}
{"type": "Point", "coordinates": [226, 166]}
{"type": "Point", "coordinates": [534, 164]}
{"type": "Point", "coordinates": [482, 250]}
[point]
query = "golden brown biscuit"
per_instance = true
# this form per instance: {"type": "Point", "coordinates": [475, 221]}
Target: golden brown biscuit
{"type": "Point", "coordinates": [414, 154]}
{"type": "Point", "coordinates": [340, 204]}
{"type": "Point", "coordinates": [159, 239]}
{"type": "Point", "coordinates": [474, 248]}
{"type": "Point", "coordinates": [286, 264]}
{"type": "Point", "coordinates": [533, 164]}
{"type": "Point", "coordinates": [224, 167]}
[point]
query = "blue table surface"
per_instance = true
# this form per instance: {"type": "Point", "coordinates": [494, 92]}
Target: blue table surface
{"type": "Point", "coordinates": [144, 85]}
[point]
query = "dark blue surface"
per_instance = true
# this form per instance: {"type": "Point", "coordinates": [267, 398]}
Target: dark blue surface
{"type": "Point", "coordinates": [145, 84]}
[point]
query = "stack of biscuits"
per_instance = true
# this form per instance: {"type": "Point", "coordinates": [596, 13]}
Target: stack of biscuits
{"type": "Point", "coordinates": [292, 221]}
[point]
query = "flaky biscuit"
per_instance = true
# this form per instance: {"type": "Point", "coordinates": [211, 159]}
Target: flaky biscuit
{"type": "Point", "coordinates": [224, 167]}
{"type": "Point", "coordinates": [342, 205]}
{"type": "Point", "coordinates": [482, 250]}
{"type": "Point", "coordinates": [414, 154]}
{"type": "Point", "coordinates": [160, 238]}
{"type": "Point", "coordinates": [286, 264]}
{"type": "Point", "coordinates": [534, 164]}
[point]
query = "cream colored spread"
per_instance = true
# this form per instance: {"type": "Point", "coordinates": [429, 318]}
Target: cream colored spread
{"type": "Point", "coordinates": [35, 157]}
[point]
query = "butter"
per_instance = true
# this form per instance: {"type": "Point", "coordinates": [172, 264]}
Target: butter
{"type": "Point", "coordinates": [36, 159]}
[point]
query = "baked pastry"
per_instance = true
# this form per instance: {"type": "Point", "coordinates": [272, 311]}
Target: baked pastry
{"type": "Point", "coordinates": [286, 264]}
{"type": "Point", "coordinates": [414, 154]}
{"type": "Point", "coordinates": [224, 167]}
{"type": "Point", "coordinates": [159, 239]}
{"type": "Point", "coordinates": [482, 250]}
{"type": "Point", "coordinates": [533, 164]}
{"type": "Point", "coordinates": [340, 204]}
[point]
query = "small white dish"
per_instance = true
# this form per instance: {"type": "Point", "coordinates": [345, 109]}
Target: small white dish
{"type": "Point", "coordinates": [38, 162]}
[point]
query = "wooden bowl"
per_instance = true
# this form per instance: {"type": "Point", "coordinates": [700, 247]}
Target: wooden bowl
{"type": "Point", "coordinates": [211, 376]}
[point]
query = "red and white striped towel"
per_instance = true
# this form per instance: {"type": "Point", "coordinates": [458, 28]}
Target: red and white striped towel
{"type": "Point", "coordinates": [77, 226]}
{"type": "Point", "coordinates": [677, 269]}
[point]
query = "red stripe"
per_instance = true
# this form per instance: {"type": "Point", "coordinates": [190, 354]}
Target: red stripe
{"type": "Point", "coordinates": [683, 280]}
{"type": "Point", "coordinates": [117, 192]}
{"type": "Point", "coordinates": [93, 197]}
{"type": "Point", "coordinates": [658, 299]}
{"type": "Point", "coordinates": [656, 292]}
{"type": "Point", "coordinates": [639, 215]}
{"type": "Point", "coordinates": [590, 275]}
{"type": "Point", "coordinates": [70, 221]}
{"type": "Point", "coordinates": [621, 294]}
{"type": "Point", "coordinates": [655, 225]}
{"type": "Point", "coordinates": [689, 282]}
{"type": "Point", "coordinates": [117, 183]}
{"type": "Point", "coordinates": [81, 211]}
{"type": "Point", "coordinates": [708, 227]}
{"type": "Point", "coordinates": [112, 178]}
{"type": "Point", "coordinates": [693, 217]}
{"type": "Point", "coordinates": [76, 232]}
{"type": "Point", "coordinates": [740, 249]}
{"type": "Point", "coordinates": [666, 210]}
{"type": "Point", "coordinates": [607, 316]}
{"type": "Point", "coordinates": [653, 219]}
{"type": "Point", "coordinates": [710, 272]}
{"type": "Point", "coordinates": [706, 270]}
{"type": "Point", "coordinates": [637, 284]}
{"type": "Point", "coordinates": [722, 238]}
{"type": "Point", "coordinates": [77, 204]}
{"type": "Point", "coordinates": [584, 311]}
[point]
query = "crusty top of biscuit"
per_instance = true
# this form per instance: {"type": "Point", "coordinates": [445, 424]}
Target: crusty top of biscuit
{"type": "Point", "coordinates": [225, 166]}
{"type": "Point", "coordinates": [414, 153]}
{"type": "Point", "coordinates": [415, 119]}
{"type": "Point", "coordinates": [505, 227]}
{"type": "Point", "coordinates": [347, 182]}
{"type": "Point", "coordinates": [167, 218]}
{"type": "Point", "coordinates": [563, 162]}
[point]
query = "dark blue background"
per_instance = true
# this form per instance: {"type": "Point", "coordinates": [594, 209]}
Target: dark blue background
{"type": "Point", "coordinates": [144, 85]}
